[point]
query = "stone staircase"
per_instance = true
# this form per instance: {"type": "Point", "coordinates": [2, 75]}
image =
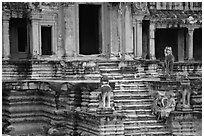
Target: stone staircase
{"type": "Point", "coordinates": [133, 99]}
{"type": "Point", "coordinates": [110, 69]}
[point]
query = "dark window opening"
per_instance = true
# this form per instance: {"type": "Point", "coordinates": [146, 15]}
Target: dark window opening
{"type": "Point", "coordinates": [89, 29]}
{"type": "Point", "coordinates": [22, 39]}
{"type": "Point", "coordinates": [46, 40]}
{"type": "Point", "coordinates": [163, 38]}
{"type": "Point", "coordinates": [19, 36]}
{"type": "Point", "coordinates": [197, 44]}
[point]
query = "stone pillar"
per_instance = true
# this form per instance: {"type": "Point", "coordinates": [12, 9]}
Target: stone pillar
{"type": "Point", "coordinates": [163, 5]}
{"type": "Point", "coordinates": [158, 5]}
{"type": "Point", "coordinates": [123, 32]}
{"type": "Point", "coordinates": [5, 37]}
{"type": "Point", "coordinates": [180, 45]}
{"type": "Point", "coordinates": [190, 43]}
{"type": "Point", "coordinates": [35, 47]}
{"type": "Point", "coordinates": [139, 37]}
{"type": "Point", "coordinates": [106, 30]}
{"type": "Point", "coordinates": [120, 30]}
{"type": "Point", "coordinates": [128, 31]}
{"type": "Point", "coordinates": [61, 30]}
{"type": "Point", "coordinates": [186, 6]}
{"type": "Point", "coordinates": [152, 40]}
{"type": "Point", "coordinates": [191, 5]}
{"type": "Point", "coordinates": [134, 39]}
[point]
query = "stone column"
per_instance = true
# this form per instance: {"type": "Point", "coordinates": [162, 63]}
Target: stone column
{"type": "Point", "coordinates": [123, 32]}
{"type": "Point", "coordinates": [134, 39]}
{"type": "Point", "coordinates": [139, 38]}
{"type": "Point", "coordinates": [35, 48]}
{"type": "Point", "coordinates": [61, 28]}
{"type": "Point", "coordinates": [5, 37]}
{"type": "Point", "coordinates": [120, 30]}
{"type": "Point", "coordinates": [108, 31]}
{"type": "Point", "coordinates": [152, 40]}
{"type": "Point", "coordinates": [191, 5]}
{"type": "Point", "coordinates": [128, 31]}
{"type": "Point", "coordinates": [158, 5]}
{"type": "Point", "coordinates": [190, 43]}
{"type": "Point", "coordinates": [180, 45]}
{"type": "Point", "coordinates": [164, 5]}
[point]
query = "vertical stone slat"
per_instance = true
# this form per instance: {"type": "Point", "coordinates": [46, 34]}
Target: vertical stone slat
{"type": "Point", "coordinates": [190, 43]}
{"type": "Point", "coordinates": [5, 37]}
{"type": "Point", "coordinates": [152, 40]}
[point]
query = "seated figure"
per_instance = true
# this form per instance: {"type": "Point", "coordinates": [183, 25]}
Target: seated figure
{"type": "Point", "coordinates": [169, 60]}
{"type": "Point", "coordinates": [168, 105]}
{"type": "Point", "coordinates": [106, 90]}
{"type": "Point", "coordinates": [163, 104]}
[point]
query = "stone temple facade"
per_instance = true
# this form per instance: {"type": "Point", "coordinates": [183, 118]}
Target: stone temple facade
{"type": "Point", "coordinates": [114, 30]}
{"type": "Point", "coordinates": [54, 55]}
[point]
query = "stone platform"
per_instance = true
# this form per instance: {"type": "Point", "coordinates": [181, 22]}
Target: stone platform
{"type": "Point", "coordinates": [34, 91]}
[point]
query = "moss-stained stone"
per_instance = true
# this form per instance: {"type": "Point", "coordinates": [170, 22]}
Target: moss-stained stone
{"type": "Point", "coordinates": [36, 99]}
{"type": "Point", "coordinates": [70, 23]}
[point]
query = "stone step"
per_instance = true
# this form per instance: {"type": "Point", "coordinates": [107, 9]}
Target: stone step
{"type": "Point", "coordinates": [111, 70]}
{"type": "Point", "coordinates": [132, 116]}
{"type": "Point", "coordinates": [131, 105]}
{"type": "Point", "coordinates": [140, 121]}
{"type": "Point", "coordinates": [107, 63]}
{"type": "Point", "coordinates": [131, 84]}
{"type": "Point", "coordinates": [139, 95]}
{"type": "Point", "coordinates": [136, 96]}
{"type": "Point", "coordinates": [146, 127]}
{"type": "Point", "coordinates": [145, 130]}
{"type": "Point", "coordinates": [162, 133]}
{"type": "Point", "coordinates": [132, 100]}
{"type": "Point", "coordinates": [113, 74]}
{"type": "Point", "coordinates": [108, 67]}
{"type": "Point", "coordinates": [130, 91]}
{"type": "Point", "coordinates": [137, 111]}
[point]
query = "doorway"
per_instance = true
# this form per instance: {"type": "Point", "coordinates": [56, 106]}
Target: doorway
{"type": "Point", "coordinates": [19, 37]}
{"type": "Point", "coordinates": [90, 29]}
{"type": "Point", "coordinates": [46, 47]}
{"type": "Point", "coordinates": [197, 44]}
{"type": "Point", "coordinates": [163, 38]}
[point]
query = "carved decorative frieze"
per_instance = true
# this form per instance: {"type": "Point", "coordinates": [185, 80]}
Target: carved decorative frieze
{"type": "Point", "coordinates": [176, 18]}
{"type": "Point", "coordinates": [139, 8]}
{"type": "Point", "coordinates": [16, 9]}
